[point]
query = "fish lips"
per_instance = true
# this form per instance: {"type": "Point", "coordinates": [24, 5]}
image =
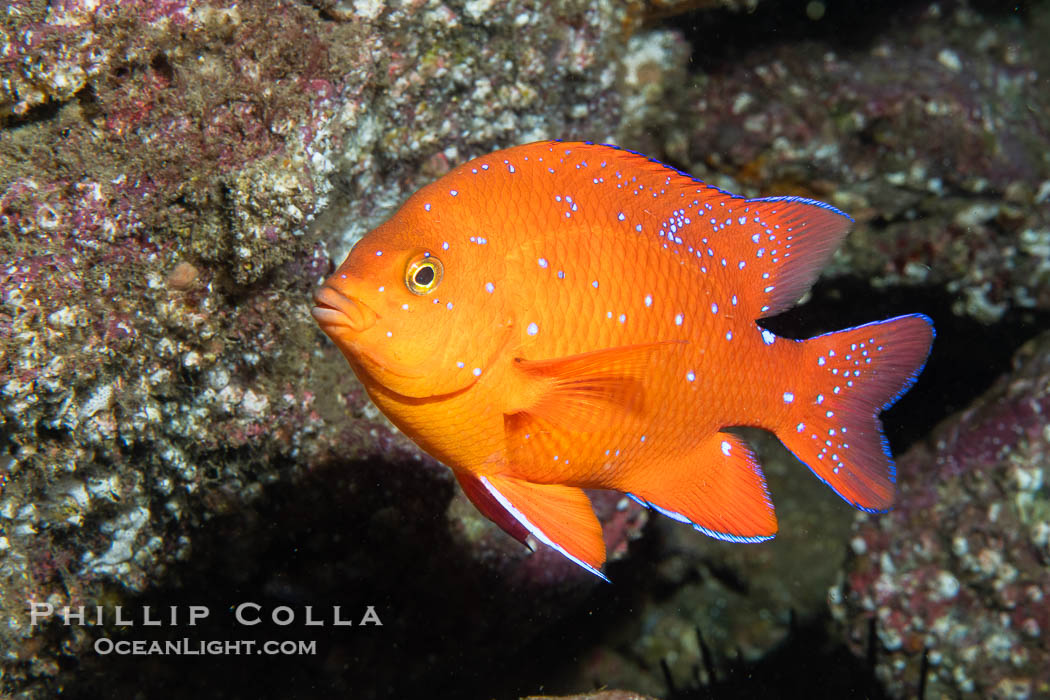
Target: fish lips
{"type": "Point", "coordinates": [337, 313]}
{"type": "Point", "coordinates": [344, 319]}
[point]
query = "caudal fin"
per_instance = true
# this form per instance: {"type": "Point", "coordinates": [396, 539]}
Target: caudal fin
{"type": "Point", "coordinates": [850, 377]}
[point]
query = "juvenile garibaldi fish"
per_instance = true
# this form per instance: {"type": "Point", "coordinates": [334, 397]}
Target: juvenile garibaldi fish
{"type": "Point", "coordinates": [565, 316]}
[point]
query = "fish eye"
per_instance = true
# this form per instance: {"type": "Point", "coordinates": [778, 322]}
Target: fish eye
{"type": "Point", "coordinates": [423, 275]}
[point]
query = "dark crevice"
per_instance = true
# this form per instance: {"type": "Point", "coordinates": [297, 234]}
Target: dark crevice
{"type": "Point", "coordinates": [90, 107]}
{"type": "Point", "coordinates": [810, 662]}
{"type": "Point", "coordinates": [731, 579]}
{"type": "Point", "coordinates": [807, 664]}
{"type": "Point", "coordinates": [721, 37]}
{"type": "Point", "coordinates": [163, 67]}
{"type": "Point", "coordinates": [34, 115]}
{"type": "Point", "coordinates": [85, 97]}
{"type": "Point", "coordinates": [325, 542]}
{"type": "Point", "coordinates": [994, 8]}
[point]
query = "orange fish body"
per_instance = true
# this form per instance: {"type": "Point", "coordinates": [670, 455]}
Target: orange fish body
{"type": "Point", "coordinates": [561, 316]}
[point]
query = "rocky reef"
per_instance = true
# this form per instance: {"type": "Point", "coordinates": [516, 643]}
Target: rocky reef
{"type": "Point", "coordinates": [927, 124]}
{"type": "Point", "coordinates": [175, 179]}
{"type": "Point", "coordinates": [173, 174]}
{"type": "Point", "coordinates": [956, 580]}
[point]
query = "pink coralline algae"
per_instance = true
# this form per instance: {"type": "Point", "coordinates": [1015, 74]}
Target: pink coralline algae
{"type": "Point", "coordinates": [959, 573]}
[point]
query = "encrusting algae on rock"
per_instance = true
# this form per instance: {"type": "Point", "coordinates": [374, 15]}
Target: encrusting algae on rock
{"type": "Point", "coordinates": [209, 134]}
{"type": "Point", "coordinates": [562, 316]}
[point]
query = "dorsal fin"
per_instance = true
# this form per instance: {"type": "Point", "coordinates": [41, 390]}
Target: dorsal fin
{"type": "Point", "coordinates": [779, 245]}
{"type": "Point", "coordinates": [771, 249]}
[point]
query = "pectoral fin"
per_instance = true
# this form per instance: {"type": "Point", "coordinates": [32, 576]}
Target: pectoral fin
{"type": "Point", "coordinates": [590, 391]}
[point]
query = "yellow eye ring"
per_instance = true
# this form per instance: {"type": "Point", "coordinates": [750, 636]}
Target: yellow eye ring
{"type": "Point", "coordinates": [422, 276]}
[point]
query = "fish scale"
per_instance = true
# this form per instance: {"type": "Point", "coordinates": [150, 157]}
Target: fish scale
{"type": "Point", "coordinates": [587, 319]}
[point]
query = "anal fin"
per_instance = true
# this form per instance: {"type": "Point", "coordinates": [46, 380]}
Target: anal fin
{"type": "Point", "coordinates": [559, 516]}
{"type": "Point", "coordinates": [718, 489]}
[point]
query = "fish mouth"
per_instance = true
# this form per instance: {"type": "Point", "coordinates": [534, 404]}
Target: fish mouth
{"type": "Point", "coordinates": [333, 311]}
{"type": "Point", "coordinates": [342, 317]}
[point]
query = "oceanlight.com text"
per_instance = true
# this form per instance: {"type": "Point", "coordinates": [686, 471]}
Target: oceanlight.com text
{"type": "Point", "coordinates": [195, 647]}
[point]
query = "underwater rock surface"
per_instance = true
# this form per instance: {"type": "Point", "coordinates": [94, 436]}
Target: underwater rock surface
{"type": "Point", "coordinates": [164, 169]}
{"type": "Point", "coordinates": [956, 580]}
{"type": "Point", "coordinates": [741, 601]}
{"type": "Point", "coordinates": [599, 695]}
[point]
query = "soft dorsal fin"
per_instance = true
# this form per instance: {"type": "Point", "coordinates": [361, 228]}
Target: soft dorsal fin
{"type": "Point", "coordinates": [778, 248]}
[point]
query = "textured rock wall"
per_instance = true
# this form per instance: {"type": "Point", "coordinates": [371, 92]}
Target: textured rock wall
{"type": "Point", "coordinates": [956, 580]}
{"type": "Point", "coordinates": [171, 176]}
